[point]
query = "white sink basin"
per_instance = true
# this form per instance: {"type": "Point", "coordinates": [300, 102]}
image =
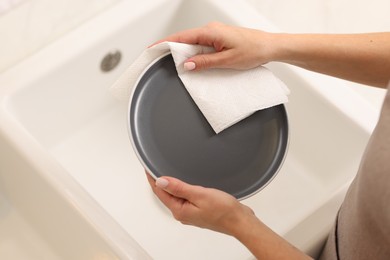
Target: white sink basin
{"type": "Point", "coordinates": [16, 236]}
{"type": "Point", "coordinates": [68, 167]}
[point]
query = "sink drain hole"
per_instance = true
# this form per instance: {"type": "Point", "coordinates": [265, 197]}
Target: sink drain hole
{"type": "Point", "coordinates": [110, 61]}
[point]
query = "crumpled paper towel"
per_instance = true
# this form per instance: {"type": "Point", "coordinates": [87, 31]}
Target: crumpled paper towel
{"type": "Point", "coordinates": [224, 96]}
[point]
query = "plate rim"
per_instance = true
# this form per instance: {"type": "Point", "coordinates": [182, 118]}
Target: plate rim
{"type": "Point", "coordinates": [129, 131]}
{"type": "Point", "coordinates": [154, 176]}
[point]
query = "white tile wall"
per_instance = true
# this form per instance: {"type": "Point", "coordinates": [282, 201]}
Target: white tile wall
{"type": "Point", "coordinates": [28, 25]}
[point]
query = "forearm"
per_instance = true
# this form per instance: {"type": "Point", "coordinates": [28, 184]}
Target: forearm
{"type": "Point", "coordinates": [263, 242]}
{"type": "Point", "coordinates": [363, 58]}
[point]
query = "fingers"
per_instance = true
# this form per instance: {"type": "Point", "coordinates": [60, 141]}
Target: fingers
{"type": "Point", "coordinates": [203, 35]}
{"type": "Point", "coordinates": [166, 198]}
{"type": "Point", "coordinates": [179, 188]}
{"type": "Point", "coordinates": [209, 35]}
{"type": "Point", "coordinates": [167, 188]}
{"type": "Point", "coordinates": [191, 36]}
{"type": "Point", "coordinates": [208, 61]}
{"type": "Point", "coordinates": [199, 206]}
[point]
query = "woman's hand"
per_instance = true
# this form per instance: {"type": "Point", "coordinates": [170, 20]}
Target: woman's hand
{"type": "Point", "coordinates": [221, 212]}
{"type": "Point", "coordinates": [201, 207]}
{"type": "Point", "coordinates": [236, 47]}
{"type": "Point", "coordinates": [363, 58]}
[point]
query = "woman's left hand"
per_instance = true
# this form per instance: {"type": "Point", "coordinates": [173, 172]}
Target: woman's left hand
{"type": "Point", "coordinates": [202, 207]}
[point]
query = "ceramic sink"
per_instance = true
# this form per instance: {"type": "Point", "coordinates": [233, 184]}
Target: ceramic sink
{"type": "Point", "coordinates": [69, 173]}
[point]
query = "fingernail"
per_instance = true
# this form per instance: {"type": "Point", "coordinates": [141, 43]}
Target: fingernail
{"type": "Point", "coordinates": [162, 183]}
{"type": "Point", "coordinates": [189, 65]}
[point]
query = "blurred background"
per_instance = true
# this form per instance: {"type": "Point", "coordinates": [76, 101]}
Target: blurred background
{"type": "Point", "coordinates": [28, 25]}
{"type": "Point", "coordinates": [331, 16]}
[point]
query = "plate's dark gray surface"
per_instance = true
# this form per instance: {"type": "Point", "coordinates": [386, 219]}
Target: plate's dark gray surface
{"type": "Point", "coordinates": [173, 138]}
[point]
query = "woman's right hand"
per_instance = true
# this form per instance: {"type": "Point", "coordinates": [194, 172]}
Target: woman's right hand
{"type": "Point", "coordinates": [363, 58]}
{"type": "Point", "coordinates": [236, 47]}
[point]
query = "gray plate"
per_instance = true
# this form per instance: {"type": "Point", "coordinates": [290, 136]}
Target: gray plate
{"type": "Point", "coordinates": [172, 137]}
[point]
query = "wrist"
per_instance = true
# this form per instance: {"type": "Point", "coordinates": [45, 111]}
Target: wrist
{"type": "Point", "coordinates": [282, 47]}
{"type": "Point", "coordinates": [244, 221]}
{"type": "Point", "coordinates": [273, 46]}
{"type": "Point", "coordinates": [262, 241]}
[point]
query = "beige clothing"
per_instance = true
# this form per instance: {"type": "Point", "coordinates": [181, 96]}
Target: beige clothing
{"type": "Point", "coordinates": [362, 229]}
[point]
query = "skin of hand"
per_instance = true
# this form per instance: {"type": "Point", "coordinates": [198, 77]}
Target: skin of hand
{"type": "Point", "coordinates": [199, 206]}
{"type": "Point", "coordinates": [236, 47]}
{"type": "Point", "coordinates": [216, 210]}
{"type": "Point", "coordinates": [363, 58]}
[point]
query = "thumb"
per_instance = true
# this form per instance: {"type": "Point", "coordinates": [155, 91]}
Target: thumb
{"type": "Point", "coordinates": [178, 188]}
{"type": "Point", "coordinates": [207, 61]}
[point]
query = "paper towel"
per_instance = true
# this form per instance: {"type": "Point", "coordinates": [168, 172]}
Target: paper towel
{"type": "Point", "coordinates": [224, 96]}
